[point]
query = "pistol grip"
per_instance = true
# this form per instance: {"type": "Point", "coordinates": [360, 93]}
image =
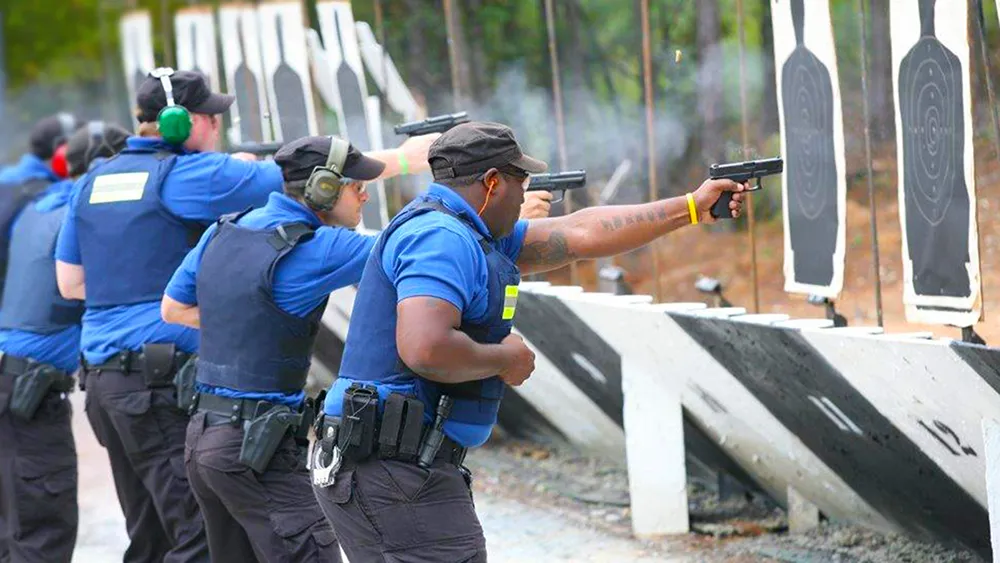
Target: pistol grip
{"type": "Point", "coordinates": [720, 210]}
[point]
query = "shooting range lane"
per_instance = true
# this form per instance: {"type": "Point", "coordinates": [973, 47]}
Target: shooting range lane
{"type": "Point", "coordinates": [814, 188]}
{"type": "Point", "coordinates": [244, 74]}
{"type": "Point", "coordinates": [731, 416]}
{"type": "Point", "coordinates": [930, 49]}
{"type": "Point", "coordinates": [286, 70]}
{"type": "Point", "coordinates": [815, 401]}
{"type": "Point", "coordinates": [195, 40]}
{"type": "Point", "coordinates": [136, 31]}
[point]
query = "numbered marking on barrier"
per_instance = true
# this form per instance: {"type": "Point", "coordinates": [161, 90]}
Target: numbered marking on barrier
{"type": "Point", "coordinates": [945, 435]}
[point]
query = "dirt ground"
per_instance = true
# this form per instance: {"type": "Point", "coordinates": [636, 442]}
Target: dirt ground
{"type": "Point", "coordinates": [591, 493]}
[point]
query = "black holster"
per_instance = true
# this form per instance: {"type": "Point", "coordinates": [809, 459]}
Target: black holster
{"type": "Point", "coordinates": [358, 422]}
{"type": "Point", "coordinates": [31, 387]}
{"type": "Point", "coordinates": [263, 434]}
{"type": "Point", "coordinates": [184, 381]}
{"type": "Point", "coordinates": [159, 364]}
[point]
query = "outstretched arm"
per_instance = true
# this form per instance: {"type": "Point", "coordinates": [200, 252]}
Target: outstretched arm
{"type": "Point", "coordinates": [411, 155]}
{"type": "Point", "coordinates": [597, 232]}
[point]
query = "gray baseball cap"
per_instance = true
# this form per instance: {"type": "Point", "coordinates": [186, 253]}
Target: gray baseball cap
{"type": "Point", "coordinates": [472, 148]}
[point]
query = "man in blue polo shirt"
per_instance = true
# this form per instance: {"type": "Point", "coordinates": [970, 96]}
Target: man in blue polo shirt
{"type": "Point", "coordinates": [430, 351]}
{"type": "Point", "coordinates": [257, 334]}
{"type": "Point", "coordinates": [46, 136]}
{"type": "Point", "coordinates": [40, 341]}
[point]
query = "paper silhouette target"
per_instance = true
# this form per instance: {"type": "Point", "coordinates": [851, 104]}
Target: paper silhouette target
{"type": "Point", "coordinates": [286, 70]}
{"type": "Point", "coordinates": [136, 31]}
{"type": "Point", "coordinates": [936, 166]}
{"type": "Point", "coordinates": [195, 40]}
{"type": "Point", "coordinates": [244, 71]}
{"type": "Point", "coordinates": [812, 142]}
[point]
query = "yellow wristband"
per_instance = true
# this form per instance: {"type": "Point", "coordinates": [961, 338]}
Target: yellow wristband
{"type": "Point", "coordinates": [691, 209]}
{"type": "Point", "coordinates": [404, 165]}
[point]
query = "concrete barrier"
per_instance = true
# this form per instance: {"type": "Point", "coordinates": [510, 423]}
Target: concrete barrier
{"type": "Point", "coordinates": [876, 429]}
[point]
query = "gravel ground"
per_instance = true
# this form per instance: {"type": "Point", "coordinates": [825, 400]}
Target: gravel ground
{"type": "Point", "coordinates": [551, 504]}
{"type": "Point", "coordinates": [592, 493]}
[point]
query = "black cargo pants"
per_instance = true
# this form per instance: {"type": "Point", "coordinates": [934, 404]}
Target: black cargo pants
{"type": "Point", "coordinates": [249, 516]}
{"type": "Point", "coordinates": [38, 481]}
{"type": "Point", "coordinates": [395, 511]}
{"type": "Point", "coordinates": [143, 431]}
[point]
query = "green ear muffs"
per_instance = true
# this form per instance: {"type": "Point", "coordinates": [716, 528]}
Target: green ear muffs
{"type": "Point", "coordinates": [323, 186]}
{"type": "Point", "coordinates": [173, 121]}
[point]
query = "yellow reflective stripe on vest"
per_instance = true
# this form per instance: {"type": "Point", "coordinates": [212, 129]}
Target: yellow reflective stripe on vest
{"type": "Point", "coordinates": [509, 302]}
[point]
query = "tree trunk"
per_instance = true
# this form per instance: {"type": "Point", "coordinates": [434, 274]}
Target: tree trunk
{"type": "Point", "coordinates": [416, 76]}
{"type": "Point", "coordinates": [768, 122]}
{"type": "Point", "coordinates": [881, 117]}
{"type": "Point", "coordinates": [710, 106]}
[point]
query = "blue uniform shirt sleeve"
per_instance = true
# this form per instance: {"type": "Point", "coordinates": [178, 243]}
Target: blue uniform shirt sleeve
{"type": "Point", "coordinates": [203, 186]}
{"type": "Point", "coordinates": [435, 261]}
{"type": "Point", "coordinates": [512, 244]}
{"type": "Point", "coordinates": [67, 245]}
{"type": "Point", "coordinates": [183, 284]}
{"type": "Point", "coordinates": [333, 259]}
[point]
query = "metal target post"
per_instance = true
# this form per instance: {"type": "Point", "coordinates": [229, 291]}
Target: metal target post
{"type": "Point", "coordinates": [560, 125]}
{"type": "Point", "coordinates": [748, 202]}
{"type": "Point", "coordinates": [987, 71]}
{"type": "Point", "coordinates": [449, 22]}
{"type": "Point", "coordinates": [863, 22]}
{"type": "Point", "coordinates": [647, 71]}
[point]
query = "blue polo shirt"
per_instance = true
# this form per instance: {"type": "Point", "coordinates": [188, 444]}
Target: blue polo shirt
{"type": "Point", "coordinates": [30, 167]}
{"type": "Point", "coordinates": [334, 258]}
{"type": "Point", "coordinates": [61, 349]}
{"type": "Point", "coordinates": [200, 187]}
{"type": "Point", "coordinates": [435, 255]}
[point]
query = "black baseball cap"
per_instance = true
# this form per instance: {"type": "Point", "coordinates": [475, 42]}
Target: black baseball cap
{"type": "Point", "coordinates": [298, 158]}
{"type": "Point", "coordinates": [52, 131]}
{"type": "Point", "coordinates": [472, 148]}
{"type": "Point", "coordinates": [190, 90]}
{"type": "Point", "coordinates": [96, 140]}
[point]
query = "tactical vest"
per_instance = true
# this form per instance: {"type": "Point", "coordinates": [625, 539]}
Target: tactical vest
{"type": "Point", "coordinates": [371, 353]}
{"type": "Point", "coordinates": [130, 244]}
{"type": "Point", "coordinates": [248, 343]}
{"type": "Point", "coordinates": [13, 198]}
{"type": "Point", "coordinates": [31, 299]}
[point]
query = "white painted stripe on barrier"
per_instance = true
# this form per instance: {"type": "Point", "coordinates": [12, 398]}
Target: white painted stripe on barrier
{"type": "Point", "coordinates": [991, 439]}
{"type": "Point", "coordinates": [728, 413]}
{"type": "Point", "coordinates": [719, 312]}
{"type": "Point", "coordinates": [673, 307]}
{"type": "Point", "coordinates": [927, 392]}
{"type": "Point", "coordinates": [857, 330]}
{"type": "Point", "coordinates": [762, 318]}
{"type": "Point", "coordinates": [337, 316]}
{"type": "Point", "coordinates": [657, 475]}
{"type": "Point", "coordinates": [569, 409]}
{"type": "Point", "coordinates": [806, 324]}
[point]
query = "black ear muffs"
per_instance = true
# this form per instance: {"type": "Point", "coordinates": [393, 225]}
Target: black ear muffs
{"type": "Point", "coordinates": [323, 186]}
{"type": "Point", "coordinates": [173, 121]}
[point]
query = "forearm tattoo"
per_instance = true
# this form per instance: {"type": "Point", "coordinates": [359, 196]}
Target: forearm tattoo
{"type": "Point", "coordinates": [554, 250]}
{"type": "Point", "coordinates": [612, 224]}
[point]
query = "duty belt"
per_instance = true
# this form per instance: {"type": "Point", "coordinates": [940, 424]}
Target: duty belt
{"type": "Point", "coordinates": [235, 411]}
{"type": "Point", "coordinates": [14, 366]}
{"type": "Point", "coordinates": [130, 361]}
{"type": "Point", "coordinates": [450, 451]}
